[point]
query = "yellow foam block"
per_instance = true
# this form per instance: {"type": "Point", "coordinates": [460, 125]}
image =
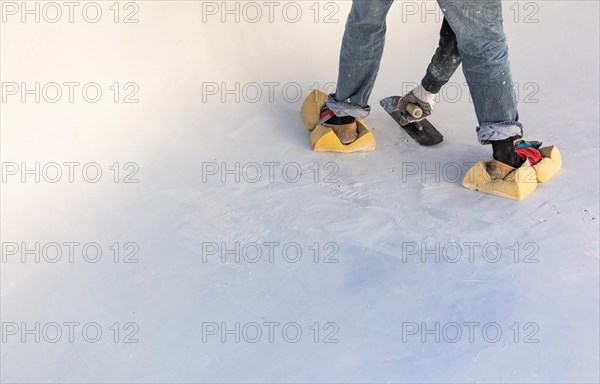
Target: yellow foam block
{"type": "Point", "coordinates": [551, 163]}
{"type": "Point", "coordinates": [518, 185]}
{"type": "Point", "coordinates": [311, 108]}
{"type": "Point", "coordinates": [323, 139]}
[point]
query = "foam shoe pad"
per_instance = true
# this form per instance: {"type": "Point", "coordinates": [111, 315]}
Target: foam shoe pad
{"type": "Point", "coordinates": [322, 138]}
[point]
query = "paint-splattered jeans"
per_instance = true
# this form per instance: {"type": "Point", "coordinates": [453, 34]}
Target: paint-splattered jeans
{"type": "Point", "coordinates": [472, 33]}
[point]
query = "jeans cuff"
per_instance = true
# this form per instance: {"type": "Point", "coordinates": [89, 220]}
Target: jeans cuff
{"type": "Point", "coordinates": [488, 132]}
{"type": "Point", "coordinates": [342, 108]}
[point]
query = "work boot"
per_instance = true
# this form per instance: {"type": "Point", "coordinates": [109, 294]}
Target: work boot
{"type": "Point", "coordinates": [344, 127]}
{"type": "Point", "coordinates": [510, 154]}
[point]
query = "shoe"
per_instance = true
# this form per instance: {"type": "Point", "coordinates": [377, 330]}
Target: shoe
{"type": "Point", "coordinates": [344, 127]}
{"type": "Point", "coordinates": [511, 154]}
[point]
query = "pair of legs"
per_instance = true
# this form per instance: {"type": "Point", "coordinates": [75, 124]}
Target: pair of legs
{"type": "Point", "coordinates": [472, 33]}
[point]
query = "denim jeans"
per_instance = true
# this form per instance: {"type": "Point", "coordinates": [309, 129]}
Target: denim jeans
{"type": "Point", "coordinates": [445, 61]}
{"type": "Point", "coordinates": [472, 30]}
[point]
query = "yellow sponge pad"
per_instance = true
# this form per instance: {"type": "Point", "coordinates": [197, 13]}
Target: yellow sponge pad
{"type": "Point", "coordinates": [520, 183]}
{"type": "Point", "coordinates": [323, 139]}
{"type": "Point", "coordinates": [551, 163]}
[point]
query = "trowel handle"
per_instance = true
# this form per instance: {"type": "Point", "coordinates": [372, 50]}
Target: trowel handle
{"type": "Point", "coordinates": [414, 110]}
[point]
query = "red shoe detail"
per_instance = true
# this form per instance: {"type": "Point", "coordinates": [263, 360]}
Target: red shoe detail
{"type": "Point", "coordinates": [529, 153]}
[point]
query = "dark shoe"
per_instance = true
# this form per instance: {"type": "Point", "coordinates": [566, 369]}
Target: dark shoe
{"type": "Point", "coordinates": [510, 154]}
